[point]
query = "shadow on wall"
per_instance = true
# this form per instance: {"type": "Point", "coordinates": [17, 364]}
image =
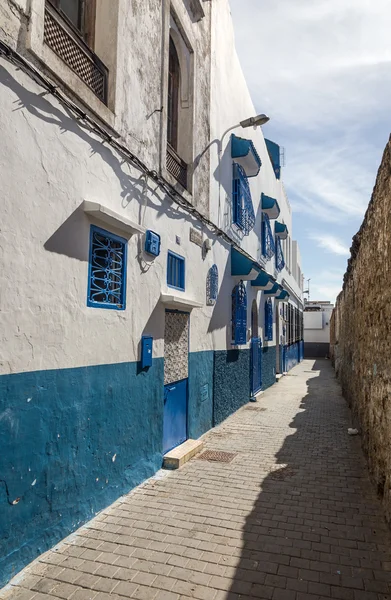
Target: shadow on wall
{"type": "Point", "coordinates": [133, 189]}
{"type": "Point", "coordinates": [316, 527]}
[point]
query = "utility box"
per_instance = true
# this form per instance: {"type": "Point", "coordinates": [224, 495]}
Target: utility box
{"type": "Point", "coordinates": [146, 351]}
{"type": "Point", "coordinates": [152, 243]}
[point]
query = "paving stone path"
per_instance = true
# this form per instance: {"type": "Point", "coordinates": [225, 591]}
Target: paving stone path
{"type": "Point", "coordinates": [292, 517]}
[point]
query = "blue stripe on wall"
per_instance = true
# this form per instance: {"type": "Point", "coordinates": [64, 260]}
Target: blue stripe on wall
{"type": "Point", "coordinates": [72, 442]}
{"type": "Point", "coordinates": [231, 382]}
{"type": "Point", "coordinates": [269, 358]}
{"type": "Point", "coordinates": [200, 418]}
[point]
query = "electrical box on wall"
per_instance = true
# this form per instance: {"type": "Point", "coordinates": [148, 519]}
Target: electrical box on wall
{"type": "Point", "coordinates": [146, 351]}
{"type": "Point", "coordinates": [152, 243]}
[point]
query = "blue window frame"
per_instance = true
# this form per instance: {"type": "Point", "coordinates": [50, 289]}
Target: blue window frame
{"type": "Point", "coordinates": [239, 315]}
{"type": "Point", "coordinates": [269, 320]}
{"type": "Point", "coordinates": [243, 210]}
{"type": "Point", "coordinates": [212, 285]}
{"type": "Point", "coordinates": [107, 270]}
{"type": "Point", "coordinates": [268, 247]}
{"type": "Point", "coordinates": [175, 271]}
{"type": "Point", "coordinates": [280, 262]}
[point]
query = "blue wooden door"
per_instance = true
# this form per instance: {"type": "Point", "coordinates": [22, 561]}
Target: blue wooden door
{"type": "Point", "coordinates": [256, 365]}
{"type": "Point", "coordinates": [176, 373]}
{"type": "Point", "coordinates": [175, 415]}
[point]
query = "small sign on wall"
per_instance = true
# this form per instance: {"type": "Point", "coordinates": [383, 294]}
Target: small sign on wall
{"type": "Point", "coordinates": [196, 237]}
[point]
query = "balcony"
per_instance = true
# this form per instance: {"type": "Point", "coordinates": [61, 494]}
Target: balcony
{"type": "Point", "coordinates": [67, 43]}
{"type": "Point", "coordinates": [176, 166]}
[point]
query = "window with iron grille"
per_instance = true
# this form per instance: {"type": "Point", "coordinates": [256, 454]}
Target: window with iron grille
{"type": "Point", "coordinates": [269, 320]}
{"type": "Point", "coordinates": [268, 247]}
{"type": "Point", "coordinates": [107, 270]}
{"type": "Point", "coordinates": [175, 271]}
{"type": "Point", "coordinates": [69, 30]}
{"type": "Point", "coordinates": [280, 262]}
{"type": "Point", "coordinates": [212, 285]}
{"type": "Point", "coordinates": [243, 210]}
{"type": "Point", "coordinates": [239, 315]}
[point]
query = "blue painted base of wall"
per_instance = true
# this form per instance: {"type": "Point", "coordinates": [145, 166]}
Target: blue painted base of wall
{"type": "Point", "coordinates": [293, 355]}
{"type": "Point", "coordinates": [74, 440]}
{"type": "Point", "coordinates": [269, 358]}
{"type": "Point", "coordinates": [231, 382]}
{"type": "Point", "coordinates": [200, 418]}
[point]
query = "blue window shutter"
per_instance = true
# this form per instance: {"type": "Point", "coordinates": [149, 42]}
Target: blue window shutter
{"type": "Point", "coordinates": [175, 271]}
{"type": "Point", "coordinates": [269, 320]}
{"type": "Point", "coordinates": [239, 315]}
{"type": "Point", "coordinates": [280, 262]}
{"type": "Point", "coordinates": [268, 246]}
{"type": "Point", "coordinates": [243, 209]}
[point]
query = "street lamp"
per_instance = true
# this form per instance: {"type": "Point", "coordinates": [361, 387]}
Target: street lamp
{"type": "Point", "coordinates": [255, 122]}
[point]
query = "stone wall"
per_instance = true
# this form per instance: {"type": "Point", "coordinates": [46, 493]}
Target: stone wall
{"type": "Point", "coordinates": [362, 322]}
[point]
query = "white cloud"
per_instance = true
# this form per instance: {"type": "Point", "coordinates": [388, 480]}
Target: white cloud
{"type": "Point", "coordinates": [322, 71]}
{"type": "Point", "coordinates": [330, 243]}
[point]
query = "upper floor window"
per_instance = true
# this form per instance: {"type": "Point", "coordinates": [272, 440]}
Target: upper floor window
{"type": "Point", "coordinates": [69, 30]}
{"type": "Point", "coordinates": [177, 117]}
{"type": "Point", "coordinates": [175, 271]}
{"type": "Point", "coordinates": [268, 320]}
{"type": "Point", "coordinates": [174, 79]}
{"type": "Point", "coordinates": [107, 270]}
{"type": "Point", "coordinates": [280, 262]}
{"type": "Point", "coordinates": [243, 210]}
{"type": "Point", "coordinates": [268, 246]}
{"type": "Point", "coordinates": [239, 315]}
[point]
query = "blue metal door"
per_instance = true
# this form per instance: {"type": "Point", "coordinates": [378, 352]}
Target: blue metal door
{"type": "Point", "coordinates": [256, 365]}
{"type": "Point", "coordinates": [175, 415]}
{"type": "Point", "coordinates": [176, 373]}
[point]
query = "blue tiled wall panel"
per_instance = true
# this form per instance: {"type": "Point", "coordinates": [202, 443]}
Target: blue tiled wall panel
{"type": "Point", "coordinates": [231, 382]}
{"type": "Point", "coordinates": [268, 366]}
{"type": "Point", "coordinates": [200, 417]}
{"type": "Point", "coordinates": [72, 441]}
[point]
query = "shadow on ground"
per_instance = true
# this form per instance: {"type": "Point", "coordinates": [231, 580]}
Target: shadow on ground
{"type": "Point", "coordinates": [316, 530]}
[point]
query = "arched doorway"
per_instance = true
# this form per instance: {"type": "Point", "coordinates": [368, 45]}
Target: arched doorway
{"type": "Point", "coordinates": [256, 352]}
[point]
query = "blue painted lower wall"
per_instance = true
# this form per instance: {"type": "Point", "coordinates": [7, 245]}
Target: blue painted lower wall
{"type": "Point", "coordinates": [231, 382]}
{"type": "Point", "coordinates": [200, 414]}
{"type": "Point", "coordinates": [269, 358]}
{"type": "Point", "coordinates": [293, 354]}
{"type": "Point", "coordinates": [73, 440]}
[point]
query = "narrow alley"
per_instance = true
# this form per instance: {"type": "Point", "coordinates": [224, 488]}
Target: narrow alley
{"type": "Point", "coordinates": [290, 515]}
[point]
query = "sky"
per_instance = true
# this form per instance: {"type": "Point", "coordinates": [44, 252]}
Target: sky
{"type": "Point", "coordinates": [321, 70]}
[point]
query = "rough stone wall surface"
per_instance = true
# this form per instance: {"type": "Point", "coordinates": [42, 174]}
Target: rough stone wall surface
{"type": "Point", "coordinates": [362, 349]}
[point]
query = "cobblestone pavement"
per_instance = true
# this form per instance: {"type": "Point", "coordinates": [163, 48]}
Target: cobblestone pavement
{"type": "Point", "coordinates": [293, 516]}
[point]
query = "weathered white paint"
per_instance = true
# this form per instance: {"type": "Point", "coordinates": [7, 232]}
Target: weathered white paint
{"type": "Point", "coordinates": [50, 165]}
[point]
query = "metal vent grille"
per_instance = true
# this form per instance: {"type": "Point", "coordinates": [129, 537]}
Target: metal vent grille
{"type": "Point", "coordinates": [217, 456]}
{"type": "Point", "coordinates": [59, 36]}
{"type": "Point", "coordinates": [176, 166]}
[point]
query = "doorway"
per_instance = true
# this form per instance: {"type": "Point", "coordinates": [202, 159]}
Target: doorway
{"type": "Point", "coordinates": [176, 378]}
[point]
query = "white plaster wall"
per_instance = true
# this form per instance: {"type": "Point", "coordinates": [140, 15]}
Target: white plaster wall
{"type": "Point", "coordinates": [50, 164]}
{"type": "Point", "coordinates": [231, 103]}
{"type": "Point", "coordinates": [317, 326]}
{"type": "Point", "coordinates": [46, 323]}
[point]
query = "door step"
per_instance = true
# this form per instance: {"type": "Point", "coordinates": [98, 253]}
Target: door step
{"type": "Point", "coordinates": [177, 457]}
{"type": "Point", "coordinates": [278, 376]}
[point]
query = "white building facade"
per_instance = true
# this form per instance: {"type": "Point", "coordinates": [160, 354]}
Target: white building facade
{"type": "Point", "coordinates": [153, 285]}
{"type": "Point", "coordinates": [317, 317]}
